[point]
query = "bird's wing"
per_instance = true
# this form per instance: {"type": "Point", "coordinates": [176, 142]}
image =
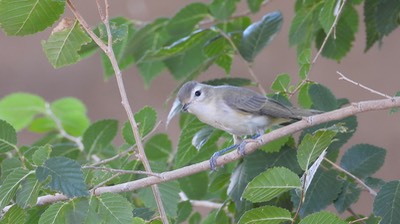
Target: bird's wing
{"type": "Point", "coordinates": [244, 99]}
{"type": "Point", "coordinates": [249, 101]}
{"type": "Point", "coordinates": [276, 109]}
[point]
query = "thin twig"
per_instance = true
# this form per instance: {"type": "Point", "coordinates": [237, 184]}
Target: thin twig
{"type": "Point", "coordinates": [330, 31]}
{"type": "Point", "coordinates": [108, 50]}
{"type": "Point", "coordinates": [343, 77]}
{"type": "Point", "coordinates": [121, 171]}
{"type": "Point", "coordinates": [333, 27]}
{"type": "Point", "coordinates": [249, 65]}
{"type": "Point", "coordinates": [371, 105]}
{"type": "Point", "coordinates": [302, 196]}
{"type": "Point", "coordinates": [76, 140]}
{"type": "Point", "coordinates": [371, 191]}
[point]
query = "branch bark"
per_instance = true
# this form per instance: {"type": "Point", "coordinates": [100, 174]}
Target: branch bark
{"type": "Point", "coordinates": [353, 109]}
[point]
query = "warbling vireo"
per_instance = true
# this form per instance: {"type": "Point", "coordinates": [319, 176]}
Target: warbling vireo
{"type": "Point", "coordinates": [238, 111]}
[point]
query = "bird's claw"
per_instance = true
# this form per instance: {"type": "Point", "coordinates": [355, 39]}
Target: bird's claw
{"type": "Point", "coordinates": [213, 161]}
{"type": "Point", "coordinates": [241, 148]}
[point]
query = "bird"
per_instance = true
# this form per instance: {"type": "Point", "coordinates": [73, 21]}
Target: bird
{"type": "Point", "coordinates": [236, 110]}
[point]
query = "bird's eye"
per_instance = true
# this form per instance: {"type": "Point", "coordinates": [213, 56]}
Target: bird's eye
{"type": "Point", "coordinates": [197, 93]}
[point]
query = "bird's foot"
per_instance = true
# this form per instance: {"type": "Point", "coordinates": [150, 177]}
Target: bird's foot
{"type": "Point", "coordinates": [214, 157]}
{"type": "Point", "coordinates": [242, 145]}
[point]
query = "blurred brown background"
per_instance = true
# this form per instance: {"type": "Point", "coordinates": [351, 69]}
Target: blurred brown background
{"type": "Point", "coordinates": [24, 68]}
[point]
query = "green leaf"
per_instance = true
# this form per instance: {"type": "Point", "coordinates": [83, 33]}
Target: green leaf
{"type": "Point", "coordinates": [176, 48]}
{"type": "Point", "coordinates": [303, 97]}
{"type": "Point", "coordinates": [327, 14]}
{"type": "Point", "coordinates": [286, 157]}
{"type": "Point", "coordinates": [387, 16]}
{"type": "Point", "coordinates": [270, 184]}
{"type": "Point", "coordinates": [275, 145]}
{"type": "Point", "coordinates": [387, 202]}
{"type": "Point", "coordinates": [9, 165]}
{"type": "Point", "coordinates": [186, 151]}
{"type": "Point", "coordinates": [122, 30]}
{"type": "Point", "coordinates": [149, 37]}
{"type": "Point", "coordinates": [337, 48]}
{"type": "Point", "coordinates": [99, 135]}
{"type": "Point", "coordinates": [19, 109]}
{"type": "Point", "coordinates": [225, 62]}
{"type": "Point", "coordinates": [229, 81]}
{"type": "Point", "coordinates": [186, 19]}
{"type": "Point", "coordinates": [111, 208]}
{"type": "Point", "coordinates": [222, 9]}
{"type": "Point", "coordinates": [184, 210]}
{"type": "Point", "coordinates": [195, 218]}
{"type": "Point", "coordinates": [301, 28]}
{"type": "Point", "coordinates": [254, 5]}
{"type": "Point", "coordinates": [322, 98]}
{"type": "Point", "coordinates": [28, 193]}
{"type": "Point", "coordinates": [195, 186]}
{"type": "Point", "coordinates": [323, 190]}
{"type": "Point", "coordinates": [11, 184]}
{"type": "Point", "coordinates": [15, 215]}
{"type": "Point", "coordinates": [281, 83]}
{"type": "Point", "coordinates": [190, 62]}
{"type": "Point", "coordinates": [158, 148]}
{"type": "Point", "coordinates": [73, 211]}
{"type": "Point", "coordinates": [370, 8]}
{"type": "Point", "coordinates": [312, 146]}
{"type": "Point", "coordinates": [146, 120]}
{"type": "Point", "coordinates": [349, 195]}
{"type": "Point", "coordinates": [144, 213]}
{"type": "Point", "coordinates": [363, 160]}
{"type": "Point", "coordinates": [72, 114]}
{"type": "Point", "coordinates": [259, 34]}
{"type": "Point", "coordinates": [375, 183]}
{"type": "Point", "coordinates": [251, 166]}
{"type": "Point", "coordinates": [41, 155]}
{"type": "Point", "coordinates": [66, 176]}
{"type": "Point", "coordinates": [266, 215]}
{"type": "Point", "coordinates": [42, 125]}
{"type": "Point", "coordinates": [322, 217]}
{"type": "Point", "coordinates": [8, 137]}
{"type": "Point", "coordinates": [21, 18]}
{"type": "Point", "coordinates": [62, 47]}
{"type": "Point", "coordinates": [169, 194]}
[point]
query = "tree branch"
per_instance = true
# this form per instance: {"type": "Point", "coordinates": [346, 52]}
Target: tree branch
{"type": "Point", "coordinates": [355, 108]}
{"type": "Point", "coordinates": [108, 50]}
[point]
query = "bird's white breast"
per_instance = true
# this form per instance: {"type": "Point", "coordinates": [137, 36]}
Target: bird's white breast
{"type": "Point", "coordinates": [221, 116]}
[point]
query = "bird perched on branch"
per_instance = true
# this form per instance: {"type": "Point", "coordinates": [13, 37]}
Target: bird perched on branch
{"type": "Point", "coordinates": [236, 110]}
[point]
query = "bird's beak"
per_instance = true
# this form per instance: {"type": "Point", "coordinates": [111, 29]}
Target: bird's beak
{"type": "Point", "coordinates": [176, 109]}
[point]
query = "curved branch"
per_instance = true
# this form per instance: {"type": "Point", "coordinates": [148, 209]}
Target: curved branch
{"type": "Point", "coordinates": [350, 110]}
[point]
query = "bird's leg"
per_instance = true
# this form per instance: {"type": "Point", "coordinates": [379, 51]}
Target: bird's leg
{"type": "Point", "coordinates": [214, 157]}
